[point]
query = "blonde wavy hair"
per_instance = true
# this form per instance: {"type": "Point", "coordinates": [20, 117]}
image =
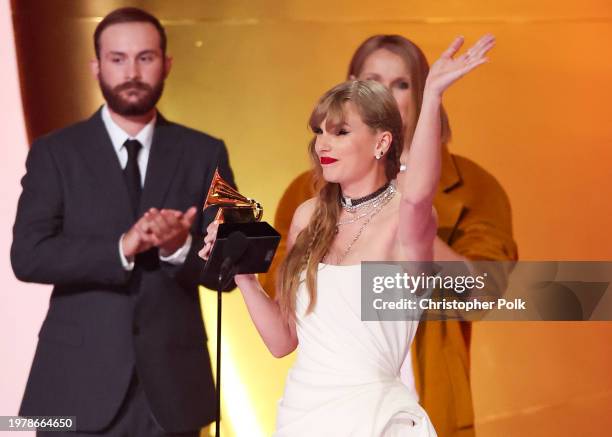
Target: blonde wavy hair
{"type": "Point", "coordinates": [378, 110]}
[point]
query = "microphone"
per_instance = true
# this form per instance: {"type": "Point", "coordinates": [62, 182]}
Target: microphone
{"type": "Point", "coordinates": [233, 249]}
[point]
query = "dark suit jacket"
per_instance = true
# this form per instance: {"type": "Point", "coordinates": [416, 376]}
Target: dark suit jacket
{"type": "Point", "coordinates": [104, 322]}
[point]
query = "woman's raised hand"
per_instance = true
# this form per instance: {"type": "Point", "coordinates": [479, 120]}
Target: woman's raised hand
{"type": "Point", "coordinates": [447, 69]}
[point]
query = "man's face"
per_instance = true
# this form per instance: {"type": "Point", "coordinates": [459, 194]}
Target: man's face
{"type": "Point", "coordinates": [132, 68]}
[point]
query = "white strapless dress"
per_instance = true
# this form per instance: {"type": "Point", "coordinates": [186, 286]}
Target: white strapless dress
{"type": "Point", "coordinates": [346, 377]}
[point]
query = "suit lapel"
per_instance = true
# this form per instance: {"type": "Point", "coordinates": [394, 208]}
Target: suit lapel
{"type": "Point", "coordinates": [450, 176]}
{"type": "Point", "coordinates": [102, 161]}
{"type": "Point", "coordinates": [450, 209]}
{"type": "Point", "coordinates": [164, 157]}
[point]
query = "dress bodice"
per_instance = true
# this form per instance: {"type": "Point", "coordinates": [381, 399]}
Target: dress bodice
{"type": "Point", "coordinates": [346, 377]}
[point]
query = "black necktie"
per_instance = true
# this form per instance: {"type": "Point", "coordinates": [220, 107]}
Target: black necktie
{"type": "Point", "coordinates": [132, 172]}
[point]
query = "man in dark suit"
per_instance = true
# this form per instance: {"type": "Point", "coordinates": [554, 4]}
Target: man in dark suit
{"type": "Point", "coordinates": [109, 215]}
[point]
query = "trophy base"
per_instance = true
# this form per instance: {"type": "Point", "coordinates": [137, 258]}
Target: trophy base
{"type": "Point", "coordinates": [261, 243]}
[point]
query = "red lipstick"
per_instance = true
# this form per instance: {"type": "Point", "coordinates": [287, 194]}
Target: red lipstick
{"type": "Point", "coordinates": [327, 160]}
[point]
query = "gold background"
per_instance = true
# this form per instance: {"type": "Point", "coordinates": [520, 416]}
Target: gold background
{"type": "Point", "coordinates": [536, 117]}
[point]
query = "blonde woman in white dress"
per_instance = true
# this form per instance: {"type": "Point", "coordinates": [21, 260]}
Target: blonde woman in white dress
{"type": "Point", "coordinates": [346, 377]}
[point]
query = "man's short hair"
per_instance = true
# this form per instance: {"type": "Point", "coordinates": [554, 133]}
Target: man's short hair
{"type": "Point", "coordinates": [129, 15]}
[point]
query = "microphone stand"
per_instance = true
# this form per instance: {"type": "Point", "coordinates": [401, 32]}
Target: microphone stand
{"type": "Point", "coordinates": [225, 276]}
{"type": "Point", "coordinates": [234, 248]}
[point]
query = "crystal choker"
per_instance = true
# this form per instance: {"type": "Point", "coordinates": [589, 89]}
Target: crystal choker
{"type": "Point", "coordinates": [354, 205]}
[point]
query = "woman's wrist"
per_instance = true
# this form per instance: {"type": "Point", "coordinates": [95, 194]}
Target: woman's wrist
{"type": "Point", "coordinates": [431, 93]}
{"type": "Point", "coordinates": [245, 279]}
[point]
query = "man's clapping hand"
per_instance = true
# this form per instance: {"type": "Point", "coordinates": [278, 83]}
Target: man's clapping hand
{"type": "Point", "coordinates": [166, 229]}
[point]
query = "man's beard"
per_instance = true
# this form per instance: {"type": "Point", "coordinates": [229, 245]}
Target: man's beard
{"type": "Point", "coordinates": [125, 107]}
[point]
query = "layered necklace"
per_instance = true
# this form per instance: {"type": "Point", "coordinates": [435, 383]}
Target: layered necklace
{"type": "Point", "coordinates": [364, 206]}
{"type": "Point", "coordinates": [367, 206]}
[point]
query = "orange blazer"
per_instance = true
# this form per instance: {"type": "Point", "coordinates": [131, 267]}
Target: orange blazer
{"type": "Point", "coordinates": [474, 218]}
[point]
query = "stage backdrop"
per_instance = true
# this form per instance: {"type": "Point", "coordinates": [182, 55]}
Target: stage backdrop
{"type": "Point", "coordinates": [536, 117]}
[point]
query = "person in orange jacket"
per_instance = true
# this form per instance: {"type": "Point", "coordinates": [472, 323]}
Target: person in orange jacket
{"type": "Point", "coordinates": [474, 223]}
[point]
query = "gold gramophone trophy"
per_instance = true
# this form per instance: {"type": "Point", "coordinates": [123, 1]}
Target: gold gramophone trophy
{"type": "Point", "coordinates": [244, 243]}
{"type": "Point", "coordinates": [233, 206]}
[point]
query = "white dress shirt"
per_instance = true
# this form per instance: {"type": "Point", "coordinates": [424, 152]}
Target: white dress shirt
{"type": "Point", "coordinates": [118, 137]}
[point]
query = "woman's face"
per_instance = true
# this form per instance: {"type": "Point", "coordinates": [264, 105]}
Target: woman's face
{"type": "Point", "coordinates": [346, 151]}
{"type": "Point", "coordinates": [390, 70]}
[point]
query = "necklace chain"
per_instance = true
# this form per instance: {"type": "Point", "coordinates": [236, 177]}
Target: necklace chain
{"type": "Point", "coordinates": [383, 200]}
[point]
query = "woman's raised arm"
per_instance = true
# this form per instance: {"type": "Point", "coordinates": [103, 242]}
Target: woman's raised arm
{"type": "Point", "coordinates": [418, 186]}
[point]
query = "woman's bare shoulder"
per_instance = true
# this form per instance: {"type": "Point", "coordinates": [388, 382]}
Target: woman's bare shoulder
{"type": "Point", "coordinates": [304, 212]}
{"type": "Point", "coordinates": [301, 218]}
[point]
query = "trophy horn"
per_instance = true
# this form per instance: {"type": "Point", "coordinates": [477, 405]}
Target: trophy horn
{"type": "Point", "coordinates": [233, 206]}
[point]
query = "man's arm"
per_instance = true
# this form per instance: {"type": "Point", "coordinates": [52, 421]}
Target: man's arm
{"type": "Point", "coordinates": [41, 251]}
